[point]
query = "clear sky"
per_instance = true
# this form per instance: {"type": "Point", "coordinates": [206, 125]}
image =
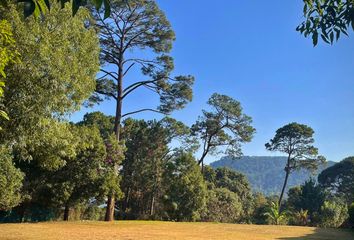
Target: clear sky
{"type": "Point", "coordinates": [250, 51]}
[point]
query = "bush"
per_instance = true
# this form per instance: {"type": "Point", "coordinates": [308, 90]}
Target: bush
{"type": "Point", "coordinates": [276, 215]}
{"type": "Point", "coordinates": [259, 206]}
{"type": "Point", "coordinates": [222, 206]}
{"type": "Point", "coordinates": [10, 181]}
{"type": "Point", "coordinates": [333, 214]}
{"type": "Point", "coordinates": [300, 218]}
{"type": "Point", "coordinates": [351, 214]}
{"type": "Point", "coordinates": [93, 213]}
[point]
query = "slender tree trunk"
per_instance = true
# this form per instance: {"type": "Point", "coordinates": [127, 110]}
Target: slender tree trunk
{"type": "Point", "coordinates": [66, 212]}
{"type": "Point", "coordinates": [152, 205]}
{"type": "Point", "coordinates": [287, 173]}
{"type": "Point", "coordinates": [117, 122]}
{"type": "Point", "coordinates": [126, 200]}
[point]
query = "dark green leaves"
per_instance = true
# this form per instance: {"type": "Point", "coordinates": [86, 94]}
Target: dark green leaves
{"type": "Point", "coordinates": [38, 7]}
{"type": "Point", "coordinates": [107, 7]}
{"type": "Point", "coordinates": [328, 18]}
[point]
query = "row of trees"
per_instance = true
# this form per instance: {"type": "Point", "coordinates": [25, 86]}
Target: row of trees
{"type": "Point", "coordinates": [139, 169]}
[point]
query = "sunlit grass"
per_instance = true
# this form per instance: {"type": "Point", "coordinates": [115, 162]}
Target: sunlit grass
{"type": "Point", "coordinates": [162, 231]}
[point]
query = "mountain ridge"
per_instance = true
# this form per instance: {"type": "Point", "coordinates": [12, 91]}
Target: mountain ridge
{"type": "Point", "coordinates": [266, 173]}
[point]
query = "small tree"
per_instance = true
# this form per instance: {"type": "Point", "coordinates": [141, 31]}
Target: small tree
{"type": "Point", "coordinates": [185, 189]}
{"type": "Point", "coordinates": [237, 183]}
{"type": "Point", "coordinates": [296, 141]}
{"type": "Point", "coordinates": [225, 126]}
{"type": "Point", "coordinates": [275, 215]}
{"type": "Point", "coordinates": [309, 196]}
{"type": "Point", "coordinates": [223, 205]}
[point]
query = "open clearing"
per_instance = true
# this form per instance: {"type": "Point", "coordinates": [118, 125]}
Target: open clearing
{"type": "Point", "coordinates": [162, 231]}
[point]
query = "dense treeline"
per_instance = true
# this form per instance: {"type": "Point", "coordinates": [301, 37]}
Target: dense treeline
{"type": "Point", "coordinates": [118, 167]}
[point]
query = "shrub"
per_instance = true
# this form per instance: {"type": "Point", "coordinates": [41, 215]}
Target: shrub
{"type": "Point", "coordinates": [300, 218]}
{"type": "Point", "coordinates": [275, 215]}
{"type": "Point", "coordinates": [333, 214]}
{"type": "Point", "coordinates": [222, 206]}
{"type": "Point", "coordinates": [351, 214]}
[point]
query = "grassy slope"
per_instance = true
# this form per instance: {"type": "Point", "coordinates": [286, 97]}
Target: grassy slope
{"type": "Point", "coordinates": [163, 230]}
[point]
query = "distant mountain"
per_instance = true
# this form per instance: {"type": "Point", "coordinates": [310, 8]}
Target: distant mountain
{"type": "Point", "coordinates": [266, 174]}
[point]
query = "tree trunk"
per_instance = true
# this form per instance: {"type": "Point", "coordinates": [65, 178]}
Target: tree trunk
{"type": "Point", "coordinates": [66, 212]}
{"type": "Point", "coordinates": [287, 172]}
{"type": "Point", "coordinates": [117, 121]}
{"type": "Point", "coordinates": [125, 203]}
{"type": "Point", "coordinates": [110, 209]}
{"type": "Point", "coordinates": [152, 205]}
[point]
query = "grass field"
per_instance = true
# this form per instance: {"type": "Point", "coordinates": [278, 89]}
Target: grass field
{"type": "Point", "coordinates": [131, 230]}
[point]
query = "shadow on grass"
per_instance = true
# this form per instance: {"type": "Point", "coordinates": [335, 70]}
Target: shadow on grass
{"type": "Point", "coordinates": [325, 234]}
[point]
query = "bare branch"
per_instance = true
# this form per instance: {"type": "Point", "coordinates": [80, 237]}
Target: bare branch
{"type": "Point", "coordinates": [110, 74]}
{"type": "Point", "coordinates": [134, 86]}
{"type": "Point", "coordinates": [126, 71]}
{"type": "Point", "coordinates": [107, 94]}
{"type": "Point", "coordinates": [142, 110]}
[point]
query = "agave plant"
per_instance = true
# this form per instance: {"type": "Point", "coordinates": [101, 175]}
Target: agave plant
{"type": "Point", "coordinates": [275, 215]}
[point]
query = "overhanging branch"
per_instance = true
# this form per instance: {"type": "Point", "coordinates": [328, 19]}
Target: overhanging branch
{"type": "Point", "coordinates": [142, 110]}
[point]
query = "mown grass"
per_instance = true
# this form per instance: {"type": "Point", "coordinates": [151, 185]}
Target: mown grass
{"type": "Point", "coordinates": [163, 231]}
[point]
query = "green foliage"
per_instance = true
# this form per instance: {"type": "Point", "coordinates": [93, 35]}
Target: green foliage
{"type": "Point", "coordinates": [115, 155]}
{"type": "Point", "coordinates": [93, 213]}
{"type": "Point", "coordinates": [41, 7]}
{"type": "Point", "coordinates": [8, 55]}
{"type": "Point", "coordinates": [300, 218]}
{"type": "Point", "coordinates": [185, 196]}
{"type": "Point", "coordinates": [8, 52]}
{"type": "Point", "coordinates": [147, 151]}
{"type": "Point", "coordinates": [333, 213]}
{"type": "Point", "coordinates": [222, 205]}
{"type": "Point", "coordinates": [44, 84]}
{"type": "Point", "coordinates": [225, 126]}
{"type": "Point", "coordinates": [259, 208]}
{"type": "Point", "coordinates": [97, 119]}
{"type": "Point", "coordinates": [327, 19]}
{"type": "Point", "coordinates": [307, 197]}
{"type": "Point", "coordinates": [296, 141]}
{"type": "Point", "coordinates": [235, 182]}
{"type": "Point", "coordinates": [340, 179]}
{"type": "Point", "coordinates": [275, 215]}
{"type": "Point", "coordinates": [80, 178]}
{"type": "Point", "coordinates": [10, 181]}
{"type": "Point", "coordinates": [351, 214]}
{"type": "Point", "coordinates": [43, 87]}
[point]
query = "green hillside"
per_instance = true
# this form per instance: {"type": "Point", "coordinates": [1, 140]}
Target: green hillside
{"type": "Point", "coordinates": [266, 174]}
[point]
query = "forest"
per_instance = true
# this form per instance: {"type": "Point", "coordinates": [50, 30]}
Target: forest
{"type": "Point", "coordinates": [54, 62]}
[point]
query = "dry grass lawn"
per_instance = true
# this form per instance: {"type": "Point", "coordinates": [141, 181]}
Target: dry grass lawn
{"type": "Point", "coordinates": [136, 230]}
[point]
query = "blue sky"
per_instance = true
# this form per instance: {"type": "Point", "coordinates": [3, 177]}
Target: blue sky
{"type": "Point", "coordinates": [250, 51]}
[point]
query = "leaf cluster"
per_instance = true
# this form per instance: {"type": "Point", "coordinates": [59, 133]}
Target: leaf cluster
{"type": "Point", "coordinates": [327, 19]}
